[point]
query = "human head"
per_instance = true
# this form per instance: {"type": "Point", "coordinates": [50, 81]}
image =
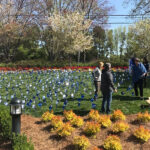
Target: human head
{"type": "Point", "coordinates": [107, 66]}
{"type": "Point", "coordinates": [137, 60]}
{"type": "Point", "coordinates": [145, 60]}
{"type": "Point", "coordinates": [101, 64]}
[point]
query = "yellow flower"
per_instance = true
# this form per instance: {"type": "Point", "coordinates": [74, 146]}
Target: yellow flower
{"type": "Point", "coordinates": [118, 115]}
{"type": "Point", "coordinates": [77, 121]}
{"type": "Point", "coordinates": [112, 143]}
{"type": "Point", "coordinates": [94, 115]}
{"type": "Point", "coordinates": [65, 130]}
{"type": "Point", "coordinates": [143, 117]}
{"type": "Point", "coordinates": [105, 121]}
{"type": "Point", "coordinates": [91, 128]}
{"type": "Point", "coordinates": [69, 115]}
{"type": "Point", "coordinates": [57, 122]}
{"type": "Point", "coordinates": [81, 143]}
{"type": "Point", "coordinates": [142, 134]}
{"type": "Point", "coordinates": [120, 127]}
{"type": "Point", "coordinates": [47, 116]}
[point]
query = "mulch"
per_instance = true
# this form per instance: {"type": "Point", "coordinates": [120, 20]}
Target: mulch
{"type": "Point", "coordinates": [43, 139]}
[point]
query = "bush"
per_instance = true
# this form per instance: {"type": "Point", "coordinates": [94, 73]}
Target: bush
{"type": "Point", "coordinates": [143, 117]}
{"type": "Point", "coordinates": [20, 143]}
{"type": "Point", "coordinates": [94, 115]}
{"type": "Point", "coordinates": [112, 143]}
{"type": "Point", "coordinates": [120, 127]}
{"type": "Point", "coordinates": [118, 115]}
{"type": "Point", "coordinates": [57, 122]}
{"type": "Point", "coordinates": [91, 128]}
{"type": "Point", "coordinates": [77, 121]}
{"type": "Point", "coordinates": [65, 130]}
{"type": "Point", "coordinates": [5, 124]}
{"type": "Point", "coordinates": [105, 121]}
{"type": "Point", "coordinates": [81, 143]}
{"type": "Point", "coordinates": [142, 134]}
{"type": "Point", "coordinates": [69, 115]}
{"type": "Point", "coordinates": [47, 116]}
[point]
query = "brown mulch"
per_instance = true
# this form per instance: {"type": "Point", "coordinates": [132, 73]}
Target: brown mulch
{"type": "Point", "coordinates": [43, 139]}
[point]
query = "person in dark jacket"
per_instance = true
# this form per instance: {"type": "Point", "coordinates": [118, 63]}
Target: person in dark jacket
{"type": "Point", "coordinates": [107, 88]}
{"type": "Point", "coordinates": [146, 64]}
{"type": "Point", "coordinates": [138, 74]}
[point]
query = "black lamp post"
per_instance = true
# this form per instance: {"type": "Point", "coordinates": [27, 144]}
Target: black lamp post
{"type": "Point", "coordinates": [15, 112]}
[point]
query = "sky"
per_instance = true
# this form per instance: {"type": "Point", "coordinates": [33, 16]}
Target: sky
{"type": "Point", "coordinates": [119, 9]}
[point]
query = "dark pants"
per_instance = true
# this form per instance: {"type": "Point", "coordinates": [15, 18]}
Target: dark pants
{"type": "Point", "coordinates": [107, 97]}
{"type": "Point", "coordinates": [139, 84]}
{"type": "Point", "coordinates": [145, 83]}
{"type": "Point", "coordinates": [97, 88]}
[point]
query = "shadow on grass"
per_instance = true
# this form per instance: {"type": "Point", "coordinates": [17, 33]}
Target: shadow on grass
{"type": "Point", "coordinates": [125, 98]}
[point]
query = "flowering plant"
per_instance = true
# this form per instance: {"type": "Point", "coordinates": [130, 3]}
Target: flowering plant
{"type": "Point", "coordinates": [120, 127]}
{"type": "Point", "coordinates": [57, 122]}
{"type": "Point", "coordinates": [94, 115]}
{"type": "Point", "coordinates": [77, 121]}
{"type": "Point", "coordinates": [143, 117]}
{"type": "Point", "coordinates": [81, 143]}
{"type": "Point", "coordinates": [142, 134]}
{"type": "Point", "coordinates": [91, 128]}
{"type": "Point", "coordinates": [105, 121]}
{"type": "Point", "coordinates": [112, 143]}
{"type": "Point", "coordinates": [47, 116]}
{"type": "Point", "coordinates": [118, 115]}
{"type": "Point", "coordinates": [65, 130]}
{"type": "Point", "coordinates": [69, 115]}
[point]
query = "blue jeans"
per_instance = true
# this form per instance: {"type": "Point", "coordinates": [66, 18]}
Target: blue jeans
{"type": "Point", "coordinates": [107, 97]}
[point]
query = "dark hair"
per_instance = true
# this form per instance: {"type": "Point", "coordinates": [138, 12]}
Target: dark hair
{"type": "Point", "coordinates": [145, 60]}
{"type": "Point", "coordinates": [107, 66]}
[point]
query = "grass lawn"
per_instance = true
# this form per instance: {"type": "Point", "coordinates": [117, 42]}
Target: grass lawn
{"type": "Point", "coordinates": [59, 90]}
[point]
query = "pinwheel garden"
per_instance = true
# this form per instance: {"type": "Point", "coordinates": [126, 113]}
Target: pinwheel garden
{"type": "Point", "coordinates": [67, 115]}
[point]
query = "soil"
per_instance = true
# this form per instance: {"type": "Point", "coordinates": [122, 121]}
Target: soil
{"type": "Point", "coordinates": [43, 139]}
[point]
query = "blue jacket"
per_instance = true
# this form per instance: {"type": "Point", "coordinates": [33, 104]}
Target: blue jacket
{"type": "Point", "coordinates": [138, 71]}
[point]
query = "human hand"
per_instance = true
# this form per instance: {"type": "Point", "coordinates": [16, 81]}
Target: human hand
{"type": "Point", "coordinates": [115, 91]}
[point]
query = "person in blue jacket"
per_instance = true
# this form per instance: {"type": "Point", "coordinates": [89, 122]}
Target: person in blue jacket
{"type": "Point", "coordinates": [146, 64]}
{"type": "Point", "coordinates": [138, 74]}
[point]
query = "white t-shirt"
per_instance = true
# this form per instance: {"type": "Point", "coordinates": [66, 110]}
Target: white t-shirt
{"type": "Point", "coordinates": [97, 74]}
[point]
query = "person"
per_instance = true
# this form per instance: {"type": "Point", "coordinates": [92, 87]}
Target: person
{"type": "Point", "coordinates": [97, 78]}
{"type": "Point", "coordinates": [146, 65]}
{"type": "Point", "coordinates": [131, 64]}
{"type": "Point", "coordinates": [138, 74]}
{"type": "Point", "coordinates": [107, 88]}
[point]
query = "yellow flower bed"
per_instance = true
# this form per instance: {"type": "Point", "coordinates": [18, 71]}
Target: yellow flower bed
{"type": "Point", "coordinates": [145, 117]}
{"type": "Point", "coordinates": [81, 143]}
{"type": "Point", "coordinates": [118, 115]}
{"type": "Point", "coordinates": [65, 130]}
{"type": "Point", "coordinates": [112, 143]}
{"type": "Point", "coordinates": [57, 122]}
{"type": "Point", "coordinates": [69, 115]}
{"type": "Point", "coordinates": [120, 127]}
{"type": "Point", "coordinates": [91, 128]}
{"type": "Point", "coordinates": [142, 134]}
{"type": "Point", "coordinates": [94, 115]}
{"type": "Point", "coordinates": [47, 116]}
{"type": "Point", "coordinates": [105, 121]}
{"type": "Point", "coordinates": [77, 121]}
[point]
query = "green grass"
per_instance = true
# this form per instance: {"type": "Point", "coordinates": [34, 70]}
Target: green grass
{"type": "Point", "coordinates": [18, 83]}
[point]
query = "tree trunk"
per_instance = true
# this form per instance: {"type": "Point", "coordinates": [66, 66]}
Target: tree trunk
{"type": "Point", "coordinates": [84, 56]}
{"type": "Point", "coordinates": [78, 57]}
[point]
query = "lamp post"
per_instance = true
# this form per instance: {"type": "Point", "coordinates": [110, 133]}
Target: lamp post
{"type": "Point", "coordinates": [15, 112]}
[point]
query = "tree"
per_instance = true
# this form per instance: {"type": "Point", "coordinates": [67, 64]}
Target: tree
{"type": "Point", "coordinates": [141, 7]}
{"type": "Point", "coordinates": [139, 38]}
{"type": "Point", "coordinates": [70, 32]}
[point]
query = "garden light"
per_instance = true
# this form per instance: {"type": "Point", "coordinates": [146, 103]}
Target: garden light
{"type": "Point", "coordinates": [15, 112]}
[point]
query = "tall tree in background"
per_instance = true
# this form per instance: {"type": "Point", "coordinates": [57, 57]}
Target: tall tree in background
{"type": "Point", "coordinates": [141, 7]}
{"type": "Point", "coordinates": [140, 38]}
